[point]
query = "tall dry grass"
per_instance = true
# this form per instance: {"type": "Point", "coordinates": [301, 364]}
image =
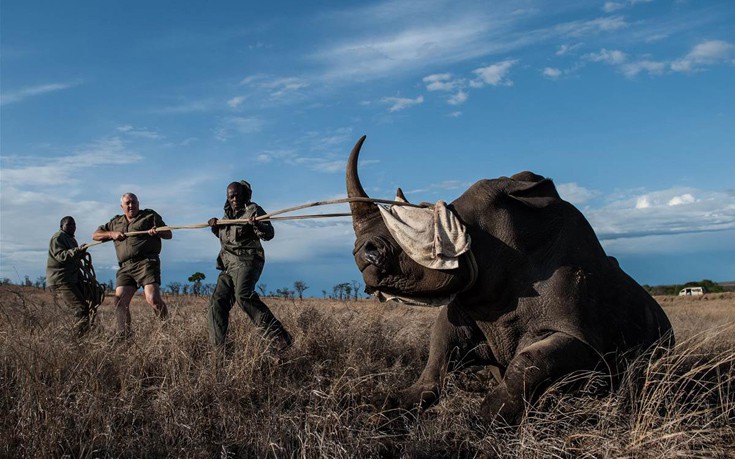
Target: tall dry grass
{"type": "Point", "coordinates": [167, 393]}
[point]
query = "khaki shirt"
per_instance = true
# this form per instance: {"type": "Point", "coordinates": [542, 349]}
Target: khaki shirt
{"type": "Point", "coordinates": [63, 263]}
{"type": "Point", "coordinates": [139, 246]}
{"type": "Point", "coordinates": [241, 243]}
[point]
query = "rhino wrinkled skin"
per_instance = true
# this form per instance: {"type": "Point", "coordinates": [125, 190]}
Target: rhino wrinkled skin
{"type": "Point", "coordinates": [542, 300]}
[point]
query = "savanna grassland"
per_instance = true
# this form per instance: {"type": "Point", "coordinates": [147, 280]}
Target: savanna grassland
{"type": "Point", "coordinates": [167, 393]}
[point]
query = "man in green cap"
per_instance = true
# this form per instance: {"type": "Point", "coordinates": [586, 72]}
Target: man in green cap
{"type": "Point", "coordinates": [138, 258]}
{"type": "Point", "coordinates": [62, 274]}
{"type": "Point", "coordinates": [241, 260]}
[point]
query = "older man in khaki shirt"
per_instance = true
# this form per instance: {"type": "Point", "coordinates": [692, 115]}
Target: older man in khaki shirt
{"type": "Point", "coordinates": [137, 256]}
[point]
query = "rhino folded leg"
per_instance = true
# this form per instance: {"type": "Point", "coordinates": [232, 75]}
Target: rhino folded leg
{"type": "Point", "coordinates": [454, 343]}
{"type": "Point", "coordinates": [531, 371]}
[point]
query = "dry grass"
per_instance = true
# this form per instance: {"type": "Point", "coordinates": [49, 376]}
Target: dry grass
{"type": "Point", "coordinates": [168, 394]}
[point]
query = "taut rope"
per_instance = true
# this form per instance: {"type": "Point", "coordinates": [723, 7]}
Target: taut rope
{"type": "Point", "coordinates": [271, 216]}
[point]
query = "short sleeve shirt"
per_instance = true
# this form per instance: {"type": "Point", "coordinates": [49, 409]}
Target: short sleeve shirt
{"type": "Point", "coordinates": [139, 246]}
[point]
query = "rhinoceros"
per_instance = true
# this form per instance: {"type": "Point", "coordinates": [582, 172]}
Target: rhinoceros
{"type": "Point", "coordinates": [535, 298]}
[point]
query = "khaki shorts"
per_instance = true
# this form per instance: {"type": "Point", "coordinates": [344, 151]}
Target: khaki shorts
{"type": "Point", "coordinates": [139, 273]}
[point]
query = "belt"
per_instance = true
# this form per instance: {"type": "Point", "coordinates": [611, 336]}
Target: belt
{"type": "Point", "coordinates": [137, 258]}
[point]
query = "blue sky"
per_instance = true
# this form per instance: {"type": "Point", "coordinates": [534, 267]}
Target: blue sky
{"type": "Point", "coordinates": [629, 106]}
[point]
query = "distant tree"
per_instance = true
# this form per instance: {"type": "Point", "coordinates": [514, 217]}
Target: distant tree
{"type": "Point", "coordinates": [196, 282]}
{"type": "Point", "coordinates": [285, 293]}
{"type": "Point", "coordinates": [110, 286]}
{"type": "Point", "coordinates": [27, 282]}
{"type": "Point", "coordinates": [174, 287]}
{"type": "Point", "coordinates": [5, 281]}
{"type": "Point", "coordinates": [262, 287]}
{"type": "Point", "coordinates": [341, 290]}
{"type": "Point", "coordinates": [185, 289]}
{"type": "Point", "coordinates": [356, 289]}
{"type": "Point", "coordinates": [300, 286]}
{"type": "Point", "coordinates": [207, 289]}
{"type": "Point", "coordinates": [324, 293]}
{"type": "Point", "coordinates": [41, 282]}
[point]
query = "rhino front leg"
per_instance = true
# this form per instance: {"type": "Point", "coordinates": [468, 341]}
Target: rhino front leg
{"type": "Point", "coordinates": [533, 370]}
{"type": "Point", "coordinates": [453, 341]}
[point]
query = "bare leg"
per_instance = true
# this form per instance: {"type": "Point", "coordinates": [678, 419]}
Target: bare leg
{"type": "Point", "coordinates": [123, 295]}
{"type": "Point", "coordinates": [153, 297]}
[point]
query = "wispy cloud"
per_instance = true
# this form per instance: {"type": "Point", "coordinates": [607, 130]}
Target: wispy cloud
{"type": "Point", "coordinates": [493, 75]}
{"type": "Point", "coordinates": [591, 26]}
{"type": "Point", "coordinates": [575, 193]}
{"type": "Point", "coordinates": [612, 57]}
{"type": "Point", "coordinates": [567, 49]}
{"type": "Point", "coordinates": [705, 54]}
{"type": "Point", "coordinates": [141, 133]}
{"type": "Point", "coordinates": [402, 103]}
{"type": "Point", "coordinates": [609, 7]}
{"type": "Point", "coordinates": [670, 211]}
{"type": "Point", "coordinates": [496, 74]}
{"type": "Point", "coordinates": [33, 91]}
{"type": "Point", "coordinates": [236, 101]}
{"type": "Point", "coordinates": [551, 72]}
{"type": "Point", "coordinates": [237, 125]}
{"type": "Point", "coordinates": [22, 171]}
{"type": "Point", "coordinates": [275, 87]}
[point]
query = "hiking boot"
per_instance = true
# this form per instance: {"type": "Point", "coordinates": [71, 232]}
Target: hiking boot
{"type": "Point", "coordinates": [282, 342]}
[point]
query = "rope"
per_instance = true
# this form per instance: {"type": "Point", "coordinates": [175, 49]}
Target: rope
{"type": "Point", "coordinates": [92, 291]}
{"type": "Point", "coordinates": [271, 216]}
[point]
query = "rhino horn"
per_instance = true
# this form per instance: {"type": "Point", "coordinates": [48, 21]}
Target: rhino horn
{"type": "Point", "coordinates": [362, 212]}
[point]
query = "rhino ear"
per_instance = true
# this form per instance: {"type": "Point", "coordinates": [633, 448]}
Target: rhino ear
{"type": "Point", "coordinates": [535, 193]}
{"type": "Point", "coordinates": [527, 176]}
{"type": "Point", "coordinates": [400, 196]}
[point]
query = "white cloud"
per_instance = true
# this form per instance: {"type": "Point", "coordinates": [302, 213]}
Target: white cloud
{"type": "Point", "coordinates": [459, 98]}
{"type": "Point", "coordinates": [24, 171]}
{"type": "Point", "coordinates": [642, 202]}
{"type": "Point", "coordinates": [401, 103]}
{"type": "Point", "coordinates": [230, 127]}
{"type": "Point", "coordinates": [455, 114]}
{"type": "Point", "coordinates": [141, 133]}
{"type": "Point", "coordinates": [575, 193]}
{"type": "Point", "coordinates": [494, 75]}
{"type": "Point", "coordinates": [632, 69]}
{"type": "Point", "coordinates": [236, 101]}
{"type": "Point", "coordinates": [609, 7]}
{"type": "Point", "coordinates": [282, 87]}
{"type": "Point", "coordinates": [566, 49]}
{"type": "Point", "coordinates": [32, 91]}
{"type": "Point", "coordinates": [612, 57]}
{"type": "Point", "coordinates": [706, 53]}
{"type": "Point", "coordinates": [680, 200]}
{"type": "Point", "coordinates": [670, 211]}
{"type": "Point", "coordinates": [440, 82]}
{"type": "Point", "coordinates": [591, 27]}
{"type": "Point", "coordinates": [552, 72]}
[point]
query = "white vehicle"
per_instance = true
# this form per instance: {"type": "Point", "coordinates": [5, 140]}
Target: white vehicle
{"type": "Point", "coordinates": [691, 291]}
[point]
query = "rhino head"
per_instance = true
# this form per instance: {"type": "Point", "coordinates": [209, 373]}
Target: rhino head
{"type": "Point", "coordinates": [387, 269]}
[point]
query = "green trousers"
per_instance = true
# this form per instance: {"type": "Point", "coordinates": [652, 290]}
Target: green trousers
{"type": "Point", "coordinates": [238, 286]}
{"type": "Point", "coordinates": [74, 303]}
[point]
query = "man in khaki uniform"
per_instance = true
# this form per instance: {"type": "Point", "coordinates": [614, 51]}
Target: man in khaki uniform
{"type": "Point", "coordinates": [241, 260]}
{"type": "Point", "coordinates": [137, 256]}
{"type": "Point", "coordinates": [62, 274]}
